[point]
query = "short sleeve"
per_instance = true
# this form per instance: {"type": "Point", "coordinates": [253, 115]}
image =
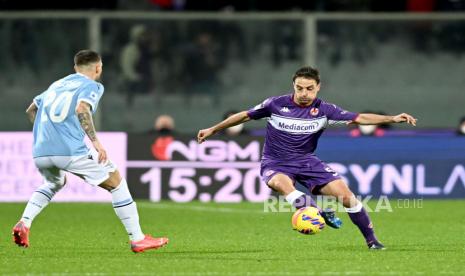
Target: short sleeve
{"type": "Point", "coordinates": [337, 115]}
{"type": "Point", "coordinates": [38, 99]}
{"type": "Point", "coordinates": [260, 111]}
{"type": "Point", "coordinates": [91, 94]}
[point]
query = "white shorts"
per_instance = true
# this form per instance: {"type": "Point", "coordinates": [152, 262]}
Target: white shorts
{"type": "Point", "coordinates": [86, 167]}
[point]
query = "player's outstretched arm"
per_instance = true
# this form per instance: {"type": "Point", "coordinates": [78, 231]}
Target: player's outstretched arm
{"type": "Point", "coordinates": [376, 119]}
{"type": "Point", "coordinates": [85, 119]}
{"type": "Point", "coordinates": [31, 112]}
{"type": "Point", "coordinates": [233, 120]}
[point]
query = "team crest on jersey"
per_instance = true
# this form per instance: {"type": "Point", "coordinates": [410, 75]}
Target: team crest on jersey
{"type": "Point", "coordinates": [314, 111]}
{"type": "Point", "coordinates": [93, 95]}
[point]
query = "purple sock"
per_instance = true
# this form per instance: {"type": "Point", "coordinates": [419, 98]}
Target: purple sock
{"type": "Point", "coordinates": [363, 222]}
{"type": "Point", "coordinates": [304, 201]}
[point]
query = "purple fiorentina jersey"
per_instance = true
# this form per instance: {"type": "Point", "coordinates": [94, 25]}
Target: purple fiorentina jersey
{"type": "Point", "coordinates": [292, 131]}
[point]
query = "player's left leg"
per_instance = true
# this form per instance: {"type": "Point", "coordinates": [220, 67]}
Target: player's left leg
{"type": "Point", "coordinates": [54, 180]}
{"type": "Point", "coordinates": [357, 213]}
{"type": "Point", "coordinates": [284, 185]}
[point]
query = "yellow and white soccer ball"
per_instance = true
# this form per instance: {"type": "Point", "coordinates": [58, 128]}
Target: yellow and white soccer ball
{"type": "Point", "coordinates": [307, 220]}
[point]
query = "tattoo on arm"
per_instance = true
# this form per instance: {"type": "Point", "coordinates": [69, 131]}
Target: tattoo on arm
{"type": "Point", "coordinates": [85, 119]}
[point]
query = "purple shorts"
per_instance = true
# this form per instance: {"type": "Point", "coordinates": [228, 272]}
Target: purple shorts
{"type": "Point", "coordinates": [312, 172]}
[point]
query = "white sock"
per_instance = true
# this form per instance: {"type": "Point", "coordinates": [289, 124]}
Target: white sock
{"type": "Point", "coordinates": [291, 197]}
{"type": "Point", "coordinates": [357, 208]}
{"type": "Point", "coordinates": [38, 201]}
{"type": "Point", "coordinates": [126, 210]}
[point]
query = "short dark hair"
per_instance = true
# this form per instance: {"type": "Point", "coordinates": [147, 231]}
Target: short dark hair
{"type": "Point", "coordinates": [307, 72]}
{"type": "Point", "coordinates": [86, 57]}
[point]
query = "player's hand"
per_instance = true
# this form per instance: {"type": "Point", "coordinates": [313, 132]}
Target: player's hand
{"type": "Point", "coordinates": [204, 134]}
{"type": "Point", "coordinates": [102, 153]}
{"type": "Point", "coordinates": [404, 117]}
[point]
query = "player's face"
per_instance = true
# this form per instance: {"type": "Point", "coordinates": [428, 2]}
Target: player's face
{"type": "Point", "coordinates": [305, 91]}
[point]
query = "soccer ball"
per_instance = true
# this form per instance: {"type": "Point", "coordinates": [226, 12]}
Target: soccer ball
{"type": "Point", "coordinates": [307, 220]}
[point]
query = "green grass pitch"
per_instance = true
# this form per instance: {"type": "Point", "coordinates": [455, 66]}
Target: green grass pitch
{"type": "Point", "coordinates": [233, 239]}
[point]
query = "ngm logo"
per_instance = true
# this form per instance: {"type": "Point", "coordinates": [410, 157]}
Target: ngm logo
{"type": "Point", "coordinates": [165, 148]}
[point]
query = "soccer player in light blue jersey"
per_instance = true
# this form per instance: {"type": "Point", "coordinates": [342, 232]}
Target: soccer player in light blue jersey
{"type": "Point", "coordinates": [296, 121]}
{"type": "Point", "coordinates": [62, 116]}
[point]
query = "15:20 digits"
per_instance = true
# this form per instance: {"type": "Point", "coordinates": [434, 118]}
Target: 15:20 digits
{"type": "Point", "coordinates": [235, 185]}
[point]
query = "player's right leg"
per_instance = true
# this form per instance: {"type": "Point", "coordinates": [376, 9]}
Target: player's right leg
{"type": "Point", "coordinates": [54, 180]}
{"type": "Point", "coordinates": [105, 175]}
{"type": "Point", "coordinates": [126, 209]}
{"type": "Point", "coordinates": [357, 213]}
{"type": "Point", "coordinates": [284, 185]}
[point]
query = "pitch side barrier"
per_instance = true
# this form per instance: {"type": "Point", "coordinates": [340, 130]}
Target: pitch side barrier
{"type": "Point", "coordinates": [228, 170]}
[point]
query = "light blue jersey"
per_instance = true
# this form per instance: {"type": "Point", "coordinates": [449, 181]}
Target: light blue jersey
{"type": "Point", "coordinates": [57, 131]}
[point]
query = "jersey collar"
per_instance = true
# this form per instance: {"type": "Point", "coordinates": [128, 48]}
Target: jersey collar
{"type": "Point", "coordinates": [82, 75]}
{"type": "Point", "coordinates": [301, 106]}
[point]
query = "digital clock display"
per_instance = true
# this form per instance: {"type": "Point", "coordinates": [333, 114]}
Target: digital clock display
{"type": "Point", "coordinates": [181, 170]}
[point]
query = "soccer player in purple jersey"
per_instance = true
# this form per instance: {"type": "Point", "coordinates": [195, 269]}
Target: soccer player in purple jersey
{"type": "Point", "coordinates": [295, 123]}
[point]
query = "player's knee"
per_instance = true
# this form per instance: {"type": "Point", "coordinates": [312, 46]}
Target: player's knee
{"type": "Point", "coordinates": [112, 182]}
{"type": "Point", "coordinates": [280, 186]}
{"type": "Point", "coordinates": [274, 185]}
{"type": "Point", "coordinates": [56, 185]}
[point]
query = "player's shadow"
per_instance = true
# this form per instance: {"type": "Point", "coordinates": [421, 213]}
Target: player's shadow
{"type": "Point", "coordinates": [349, 248]}
{"type": "Point", "coordinates": [355, 248]}
{"type": "Point", "coordinates": [227, 258]}
{"type": "Point", "coordinates": [218, 255]}
{"type": "Point", "coordinates": [215, 252]}
{"type": "Point", "coordinates": [226, 255]}
{"type": "Point", "coordinates": [405, 249]}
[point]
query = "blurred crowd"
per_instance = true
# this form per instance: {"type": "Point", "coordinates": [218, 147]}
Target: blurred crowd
{"type": "Point", "coordinates": [164, 125]}
{"type": "Point", "coordinates": [243, 5]}
{"type": "Point", "coordinates": [153, 63]}
{"type": "Point", "coordinates": [153, 60]}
